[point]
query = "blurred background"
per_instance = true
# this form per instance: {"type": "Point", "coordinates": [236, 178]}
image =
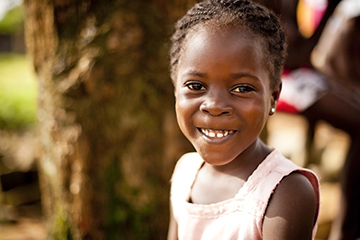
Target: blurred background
{"type": "Point", "coordinates": [19, 189]}
{"type": "Point", "coordinates": [86, 115]}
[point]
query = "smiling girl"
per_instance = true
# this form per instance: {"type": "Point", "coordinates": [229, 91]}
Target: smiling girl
{"type": "Point", "coordinates": [226, 62]}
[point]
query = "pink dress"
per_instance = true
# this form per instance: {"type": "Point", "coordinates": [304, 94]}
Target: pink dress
{"type": "Point", "coordinates": [238, 218]}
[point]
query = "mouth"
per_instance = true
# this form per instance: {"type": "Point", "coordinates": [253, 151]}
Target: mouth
{"type": "Point", "coordinates": [216, 134]}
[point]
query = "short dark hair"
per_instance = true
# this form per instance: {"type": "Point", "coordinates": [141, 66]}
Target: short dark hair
{"type": "Point", "coordinates": [234, 14]}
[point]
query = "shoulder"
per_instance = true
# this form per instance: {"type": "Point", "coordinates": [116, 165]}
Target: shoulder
{"type": "Point", "coordinates": [185, 170]}
{"type": "Point", "coordinates": [189, 157]}
{"type": "Point", "coordinates": [292, 209]}
{"type": "Point", "coordinates": [187, 160]}
{"type": "Point", "coordinates": [190, 160]}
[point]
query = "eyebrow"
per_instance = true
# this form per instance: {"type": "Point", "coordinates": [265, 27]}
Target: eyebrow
{"type": "Point", "coordinates": [194, 73]}
{"type": "Point", "coordinates": [240, 75]}
{"type": "Point", "coordinates": [233, 75]}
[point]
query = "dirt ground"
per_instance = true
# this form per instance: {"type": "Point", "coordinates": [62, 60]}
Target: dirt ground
{"type": "Point", "coordinates": [24, 229]}
{"type": "Point", "coordinates": [285, 132]}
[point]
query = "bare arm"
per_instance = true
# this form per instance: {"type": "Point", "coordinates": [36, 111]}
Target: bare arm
{"type": "Point", "coordinates": [172, 233]}
{"type": "Point", "coordinates": [291, 211]}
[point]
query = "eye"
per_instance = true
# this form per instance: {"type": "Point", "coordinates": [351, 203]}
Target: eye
{"type": "Point", "coordinates": [195, 86]}
{"type": "Point", "coordinates": [242, 89]}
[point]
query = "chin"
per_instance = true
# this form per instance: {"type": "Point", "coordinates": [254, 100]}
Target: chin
{"type": "Point", "coordinates": [216, 158]}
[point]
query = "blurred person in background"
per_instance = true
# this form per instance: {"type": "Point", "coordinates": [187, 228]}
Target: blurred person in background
{"type": "Point", "coordinates": [321, 81]}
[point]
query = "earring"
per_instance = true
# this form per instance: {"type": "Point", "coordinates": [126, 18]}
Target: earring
{"type": "Point", "coordinates": [272, 110]}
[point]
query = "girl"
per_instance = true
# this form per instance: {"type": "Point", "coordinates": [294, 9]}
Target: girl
{"type": "Point", "coordinates": [226, 62]}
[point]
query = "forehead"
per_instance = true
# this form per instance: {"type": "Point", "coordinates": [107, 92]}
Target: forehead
{"type": "Point", "coordinates": [225, 39]}
{"type": "Point", "coordinates": [236, 48]}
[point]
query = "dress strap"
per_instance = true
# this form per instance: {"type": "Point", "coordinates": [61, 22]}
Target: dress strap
{"type": "Point", "coordinates": [183, 178]}
{"type": "Point", "coordinates": [264, 180]}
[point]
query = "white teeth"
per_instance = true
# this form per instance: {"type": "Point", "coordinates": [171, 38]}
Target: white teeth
{"type": "Point", "coordinates": [216, 133]}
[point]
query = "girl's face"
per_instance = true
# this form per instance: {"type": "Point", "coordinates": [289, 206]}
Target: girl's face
{"type": "Point", "coordinates": [223, 95]}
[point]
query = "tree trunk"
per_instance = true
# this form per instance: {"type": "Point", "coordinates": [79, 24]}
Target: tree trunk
{"type": "Point", "coordinates": [107, 129]}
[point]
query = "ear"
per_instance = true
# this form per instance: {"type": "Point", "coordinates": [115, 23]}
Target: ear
{"type": "Point", "coordinates": [274, 98]}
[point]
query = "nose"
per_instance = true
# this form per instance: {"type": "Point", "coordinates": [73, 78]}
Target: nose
{"type": "Point", "coordinates": [216, 104]}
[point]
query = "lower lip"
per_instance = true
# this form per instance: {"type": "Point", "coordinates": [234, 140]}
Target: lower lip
{"type": "Point", "coordinates": [216, 140]}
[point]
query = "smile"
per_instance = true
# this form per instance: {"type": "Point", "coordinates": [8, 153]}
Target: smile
{"type": "Point", "coordinates": [216, 133]}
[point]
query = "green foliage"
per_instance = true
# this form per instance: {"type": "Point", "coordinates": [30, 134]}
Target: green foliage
{"type": "Point", "coordinates": [12, 21]}
{"type": "Point", "coordinates": [17, 92]}
{"type": "Point", "coordinates": [125, 220]}
{"type": "Point", "coordinates": [61, 227]}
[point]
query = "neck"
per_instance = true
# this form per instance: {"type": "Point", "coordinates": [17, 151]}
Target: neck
{"type": "Point", "coordinates": [244, 164]}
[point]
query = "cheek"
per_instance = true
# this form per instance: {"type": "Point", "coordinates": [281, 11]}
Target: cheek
{"type": "Point", "coordinates": [182, 119]}
{"type": "Point", "coordinates": [180, 111]}
{"type": "Point", "coordinates": [257, 115]}
{"type": "Point", "coordinates": [182, 105]}
{"type": "Point", "coordinates": [185, 110]}
{"type": "Point", "coordinates": [178, 108]}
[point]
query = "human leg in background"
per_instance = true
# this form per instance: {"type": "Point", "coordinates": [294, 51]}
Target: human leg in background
{"type": "Point", "coordinates": [345, 116]}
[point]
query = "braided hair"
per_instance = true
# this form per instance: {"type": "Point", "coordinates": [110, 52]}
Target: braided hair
{"type": "Point", "coordinates": [234, 14]}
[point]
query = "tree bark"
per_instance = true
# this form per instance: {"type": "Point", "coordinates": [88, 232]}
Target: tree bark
{"type": "Point", "coordinates": [107, 130]}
